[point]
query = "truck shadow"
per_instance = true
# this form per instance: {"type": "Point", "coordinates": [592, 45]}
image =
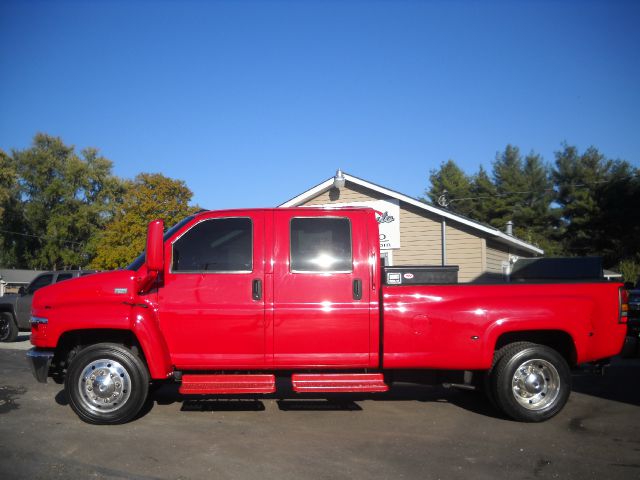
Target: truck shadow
{"type": "Point", "coordinates": [287, 400]}
{"type": "Point", "coordinates": [620, 382]}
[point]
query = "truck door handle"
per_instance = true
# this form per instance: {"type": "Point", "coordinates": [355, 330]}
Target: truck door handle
{"type": "Point", "coordinates": [256, 289]}
{"type": "Point", "coordinates": [357, 289]}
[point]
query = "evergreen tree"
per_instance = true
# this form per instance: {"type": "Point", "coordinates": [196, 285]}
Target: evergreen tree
{"type": "Point", "coordinates": [485, 197]}
{"type": "Point", "coordinates": [510, 182]}
{"type": "Point", "coordinates": [451, 179]}
{"type": "Point", "coordinates": [618, 222]}
{"type": "Point", "coordinates": [525, 192]}
{"type": "Point", "coordinates": [537, 222]}
{"type": "Point", "coordinates": [577, 177]}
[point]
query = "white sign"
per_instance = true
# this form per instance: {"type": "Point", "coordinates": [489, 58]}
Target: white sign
{"type": "Point", "coordinates": [388, 216]}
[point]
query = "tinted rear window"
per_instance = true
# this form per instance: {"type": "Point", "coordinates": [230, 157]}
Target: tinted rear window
{"type": "Point", "coordinates": [321, 245]}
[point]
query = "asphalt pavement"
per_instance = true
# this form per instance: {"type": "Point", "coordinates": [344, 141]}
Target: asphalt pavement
{"type": "Point", "coordinates": [410, 432]}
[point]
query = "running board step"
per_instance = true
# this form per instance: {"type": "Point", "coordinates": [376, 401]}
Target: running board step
{"type": "Point", "coordinates": [339, 382]}
{"type": "Point", "coordinates": [195, 384]}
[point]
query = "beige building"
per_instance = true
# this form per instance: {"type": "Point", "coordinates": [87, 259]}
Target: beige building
{"type": "Point", "coordinates": [418, 233]}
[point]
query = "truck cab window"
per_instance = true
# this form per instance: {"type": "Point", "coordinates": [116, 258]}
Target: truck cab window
{"type": "Point", "coordinates": [63, 276]}
{"type": "Point", "coordinates": [215, 245]}
{"type": "Point", "coordinates": [38, 283]}
{"type": "Point", "coordinates": [321, 244]}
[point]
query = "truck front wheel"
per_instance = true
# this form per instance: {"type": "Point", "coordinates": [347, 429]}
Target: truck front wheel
{"type": "Point", "coordinates": [106, 384]}
{"type": "Point", "coordinates": [530, 382]}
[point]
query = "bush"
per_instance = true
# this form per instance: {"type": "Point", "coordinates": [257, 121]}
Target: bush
{"type": "Point", "coordinates": [630, 269]}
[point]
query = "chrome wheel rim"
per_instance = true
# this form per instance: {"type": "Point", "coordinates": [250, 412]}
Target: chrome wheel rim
{"type": "Point", "coordinates": [104, 386]}
{"type": "Point", "coordinates": [536, 384]}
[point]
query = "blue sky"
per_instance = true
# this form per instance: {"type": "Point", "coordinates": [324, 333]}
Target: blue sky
{"type": "Point", "coordinates": [252, 103]}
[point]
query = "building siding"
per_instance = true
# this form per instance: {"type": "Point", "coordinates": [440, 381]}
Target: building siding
{"type": "Point", "coordinates": [464, 249]}
{"type": "Point", "coordinates": [420, 238]}
{"type": "Point", "coordinates": [496, 254]}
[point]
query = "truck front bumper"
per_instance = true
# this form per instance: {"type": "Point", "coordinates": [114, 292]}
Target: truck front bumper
{"type": "Point", "coordinates": [40, 361]}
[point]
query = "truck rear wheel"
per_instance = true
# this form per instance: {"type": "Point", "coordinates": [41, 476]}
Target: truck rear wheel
{"type": "Point", "coordinates": [8, 328]}
{"type": "Point", "coordinates": [530, 382]}
{"type": "Point", "coordinates": [106, 384]}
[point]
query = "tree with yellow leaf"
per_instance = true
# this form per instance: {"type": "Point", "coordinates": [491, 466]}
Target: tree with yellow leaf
{"type": "Point", "coordinates": [148, 197]}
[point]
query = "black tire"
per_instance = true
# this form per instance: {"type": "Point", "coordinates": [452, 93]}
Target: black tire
{"type": "Point", "coordinates": [106, 384]}
{"type": "Point", "coordinates": [530, 382]}
{"type": "Point", "coordinates": [8, 328]}
{"type": "Point", "coordinates": [487, 388]}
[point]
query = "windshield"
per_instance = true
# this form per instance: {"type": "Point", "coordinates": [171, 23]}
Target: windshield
{"type": "Point", "coordinates": [139, 261]}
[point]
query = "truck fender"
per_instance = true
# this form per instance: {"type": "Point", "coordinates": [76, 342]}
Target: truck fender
{"type": "Point", "coordinates": [576, 322]}
{"type": "Point", "coordinates": [9, 308]}
{"type": "Point", "coordinates": [145, 327]}
{"type": "Point", "coordinates": [496, 330]}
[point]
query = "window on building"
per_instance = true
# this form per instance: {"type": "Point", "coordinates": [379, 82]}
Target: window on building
{"type": "Point", "coordinates": [216, 245]}
{"type": "Point", "coordinates": [321, 245]}
{"type": "Point", "coordinates": [38, 283]}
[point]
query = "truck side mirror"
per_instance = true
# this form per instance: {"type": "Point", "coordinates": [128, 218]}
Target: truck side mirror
{"type": "Point", "coordinates": [155, 246]}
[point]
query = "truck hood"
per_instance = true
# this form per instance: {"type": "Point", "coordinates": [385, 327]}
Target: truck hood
{"type": "Point", "coordinates": [118, 285]}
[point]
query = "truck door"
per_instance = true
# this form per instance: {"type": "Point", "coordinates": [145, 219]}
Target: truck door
{"type": "Point", "coordinates": [320, 289]}
{"type": "Point", "coordinates": [211, 303]}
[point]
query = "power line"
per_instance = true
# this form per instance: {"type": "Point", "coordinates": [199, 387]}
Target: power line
{"type": "Point", "coordinates": [40, 237]}
{"type": "Point", "coordinates": [444, 201]}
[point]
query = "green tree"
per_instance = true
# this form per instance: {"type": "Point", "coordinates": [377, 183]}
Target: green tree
{"type": "Point", "coordinates": [577, 177]}
{"type": "Point", "coordinates": [485, 197]}
{"type": "Point", "coordinates": [66, 199]}
{"type": "Point", "coordinates": [525, 195]}
{"type": "Point", "coordinates": [450, 180]}
{"type": "Point", "coordinates": [598, 198]}
{"type": "Point", "coordinates": [510, 182]}
{"type": "Point", "coordinates": [148, 197]}
{"type": "Point", "coordinates": [617, 222]}
{"type": "Point", "coordinates": [10, 212]}
{"type": "Point", "coordinates": [536, 221]}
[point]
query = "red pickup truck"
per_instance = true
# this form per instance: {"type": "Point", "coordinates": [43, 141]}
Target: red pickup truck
{"type": "Point", "coordinates": [226, 300]}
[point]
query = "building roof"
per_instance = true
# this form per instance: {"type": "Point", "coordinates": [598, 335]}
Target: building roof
{"type": "Point", "coordinates": [492, 232]}
{"type": "Point", "coordinates": [10, 275]}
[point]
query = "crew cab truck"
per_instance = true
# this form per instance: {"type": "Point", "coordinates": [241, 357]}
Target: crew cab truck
{"type": "Point", "coordinates": [226, 300]}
